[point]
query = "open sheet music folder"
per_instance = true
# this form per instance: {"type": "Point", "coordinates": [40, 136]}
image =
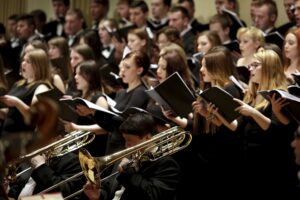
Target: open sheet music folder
{"type": "Point", "coordinates": [173, 94]}
{"type": "Point", "coordinates": [293, 106]}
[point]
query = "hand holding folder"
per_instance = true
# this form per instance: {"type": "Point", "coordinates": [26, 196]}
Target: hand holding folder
{"type": "Point", "coordinates": [173, 94]}
{"type": "Point", "coordinates": [223, 101]}
{"type": "Point", "coordinates": [292, 108]}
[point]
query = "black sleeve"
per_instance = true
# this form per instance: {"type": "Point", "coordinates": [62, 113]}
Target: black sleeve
{"type": "Point", "coordinates": [159, 181]}
{"type": "Point", "coordinates": [60, 169]}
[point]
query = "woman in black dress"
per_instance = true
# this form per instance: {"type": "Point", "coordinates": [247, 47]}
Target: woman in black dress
{"type": "Point", "coordinates": [219, 149]}
{"type": "Point", "coordinates": [88, 82]}
{"type": "Point", "coordinates": [36, 79]}
{"type": "Point", "coordinates": [268, 169]}
{"type": "Point", "coordinates": [132, 68]}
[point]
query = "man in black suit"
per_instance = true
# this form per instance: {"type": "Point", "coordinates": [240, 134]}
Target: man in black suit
{"type": "Point", "coordinates": [26, 33]}
{"type": "Point", "coordinates": [74, 26]}
{"type": "Point", "coordinates": [106, 29]}
{"type": "Point", "coordinates": [221, 24]}
{"type": "Point", "coordinates": [179, 19]}
{"type": "Point", "coordinates": [138, 13]}
{"type": "Point", "coordinates": [189, 5]}
{"type": "Point", "coordinates": [230, 8]}
{"type": "Point", "coordinates": [45, 173]}
{"type": "Point", "coordinates": [289, 10]}
{"type": "Point", "coordinates": [159, 11]}
{"type": "Point", "coordinates": [297, 12]}
{"type": "Point", "coordinates": [139, 179]}
{"type": "Point", "coordinates": [99, 10]}
{"type": "Point", "coordinates": [56, 27]}
{"type": "Point", "coordinates": [266, 16]}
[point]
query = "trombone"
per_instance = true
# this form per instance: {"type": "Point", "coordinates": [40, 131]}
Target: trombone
{"type": "Point", "coordinates": [70, 142]}
{"type": "Point", "coordinates": [167, 142]}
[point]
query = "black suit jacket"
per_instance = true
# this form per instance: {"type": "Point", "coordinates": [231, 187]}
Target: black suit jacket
{"type": "Point", "coordinates": [285, 27]}
{"type": "Point", "coordinates": [157, 180]}
{"type": "Point", "coordinates": [76, 39]}
{"type": "Point", "coordinates": [50, 29]}
{"type": "Point", "coordinates": [197, 27]}
{"type": "Point", "coordinates": [59, 169]}
{"type": "Point", "coordinates": [108, 59]}
{"type": "Point", "coordinates": [155, 28]}
{"type": "Point", "coordinates": [189, 40]}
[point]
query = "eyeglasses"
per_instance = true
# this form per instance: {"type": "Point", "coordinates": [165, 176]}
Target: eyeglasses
{"type": "Point", "coordinates": [254, 65]}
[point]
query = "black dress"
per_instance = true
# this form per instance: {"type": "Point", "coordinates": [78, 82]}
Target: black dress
{"type": "Point", "coordinates": [134, 98]}
{"type": "Point", "coordinates": [269, 168]}
{"type": "Point", "coordinates": [219, 156]}
{"type": "Point", "coordinates": [14, 121]}
{"type": "Point", "coordinates": [98, 146]}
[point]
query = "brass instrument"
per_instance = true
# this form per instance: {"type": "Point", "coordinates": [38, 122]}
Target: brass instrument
{"type": "Point", "coordinates": [166, 143]}
{"type": "Point", "coordinates": [70, 142]}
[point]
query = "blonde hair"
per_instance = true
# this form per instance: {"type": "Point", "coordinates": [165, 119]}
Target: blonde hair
{"type": "Point", "coordinates": [272, 77]}
{"type": "Point", "coordinates": [253, 33]}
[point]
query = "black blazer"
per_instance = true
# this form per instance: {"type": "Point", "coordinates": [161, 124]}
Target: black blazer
{"type": "Point", "coordinates": [50, 30]}
{"type": "Point", "coordinates": [157, 180]}
{"type": "Point", "coordinates": [59, 169]}
{"type": "Point", "coordinates": [189, 39]}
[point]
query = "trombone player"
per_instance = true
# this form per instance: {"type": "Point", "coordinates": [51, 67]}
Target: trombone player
{"type": "Point", "coordinates": [47, 171]}
{"type": "Point", "coordinates": [138, 179]}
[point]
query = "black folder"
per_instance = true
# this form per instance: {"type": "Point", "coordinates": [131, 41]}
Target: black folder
{"type": "Point", "coordinates": [223, 101]}
{"type": "Point", "coordinates": [293, 106]}
{"type": "Point", "coordinates": [275, 38]}
{"type": "Point", "coordinates": [173, 94]}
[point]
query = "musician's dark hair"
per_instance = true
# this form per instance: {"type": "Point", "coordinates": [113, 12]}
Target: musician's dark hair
{"type": "Point", "coordinates": [139, 124]}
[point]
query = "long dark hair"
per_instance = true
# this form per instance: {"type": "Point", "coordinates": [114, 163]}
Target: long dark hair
{"type": "Point", "coordinates": [90, 72]}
